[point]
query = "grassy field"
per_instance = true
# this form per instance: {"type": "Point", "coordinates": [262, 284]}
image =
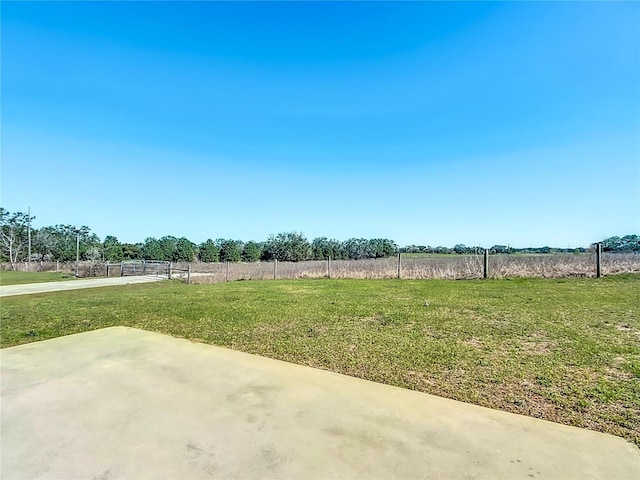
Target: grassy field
{"type": "Point", "coordinates": [566, 350]}
{"type": "Point", "coordinates": [19, 278]}
{"type": "Point", "coordinates": [428, 255]}
{"type": "Point", "coordinates": [453, 255]}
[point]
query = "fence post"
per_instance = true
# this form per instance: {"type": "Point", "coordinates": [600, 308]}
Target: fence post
{"type": "Point", "coordinates": [122, 268]}
{"type": "Point", "coordinates": [170, 267]}
{"type": "Point", "coordinates": [329, 266]}
{"type": "Point", "coordinates": [399, 263]}
{"type": "Point", "coordinates": [144, 267]}
{"type": "Point", "coordinates": [598, 259]}
{"type": "Point", "coordinates": [188, 274]}
{"type": "Point", "coordinates": [57, 266]}
{"type": "Point", "coordinates": [226, 275]}
{"type": "Point", "coordinates": [107, 268]}
{"type": "Point", "coordinates": [275, 268]}
{"type": "Point", "coordinates": [485, 270]}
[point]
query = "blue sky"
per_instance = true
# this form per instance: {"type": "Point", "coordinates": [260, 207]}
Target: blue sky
{"type": "Point", "coordinates": [423, 122]}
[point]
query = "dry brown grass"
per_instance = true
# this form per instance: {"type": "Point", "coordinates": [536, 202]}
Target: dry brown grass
{"type": "Point", "coordinates": [453, 267]}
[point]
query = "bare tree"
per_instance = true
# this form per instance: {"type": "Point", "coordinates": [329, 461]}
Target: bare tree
{"type": "Point", "coordinates": [44, 242]}
{"type": "Point", "coordinates": [14, 235]}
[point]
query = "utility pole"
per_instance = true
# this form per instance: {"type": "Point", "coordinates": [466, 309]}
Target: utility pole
{"type": "Point", "coordinates": [29, 234]}
{"type": "Point", "coordinates": [77, 250]}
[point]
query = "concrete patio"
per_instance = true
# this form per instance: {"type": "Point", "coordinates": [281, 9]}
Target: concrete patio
{"type": "Point", "coordinates": [125, 403]}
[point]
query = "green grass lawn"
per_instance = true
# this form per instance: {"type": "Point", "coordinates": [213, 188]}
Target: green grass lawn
{"type": "Point", "coordinates": [563, 350]}
{"type": "Point", "coordinates": [19, 278]}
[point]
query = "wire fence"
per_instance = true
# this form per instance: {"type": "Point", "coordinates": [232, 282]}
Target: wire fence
{"type": "Point", "coordinates": [453, 267]}
{"type": "Point", "coordinates": [406, 266]}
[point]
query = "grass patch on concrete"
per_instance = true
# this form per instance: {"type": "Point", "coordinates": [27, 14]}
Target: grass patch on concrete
{"type": "Point", "coordinates": [564, 350]}
{"type": "Point", "coordinates": [20, 278]}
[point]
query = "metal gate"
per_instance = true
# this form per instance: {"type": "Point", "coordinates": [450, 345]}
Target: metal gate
{"type": "Point", "coordinates": [145, 267]}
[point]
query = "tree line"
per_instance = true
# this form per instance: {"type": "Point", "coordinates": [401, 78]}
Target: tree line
{"type": "Point", "coordinates": [284, 247]}
{"type": "Point", "coordinates": [462, 249]}
{"type": "Point", "coordinates": [63, 242]}
{"type": "Point", "coordinates": [628, 244]}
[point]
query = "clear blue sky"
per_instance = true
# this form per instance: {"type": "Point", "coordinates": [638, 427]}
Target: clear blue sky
{"type": "Point", "coordinates": [427, 123]}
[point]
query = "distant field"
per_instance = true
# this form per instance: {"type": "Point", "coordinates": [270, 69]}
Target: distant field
{"type": "Point", "coordinates": [19, 278]}
{"type": "Point", "coordinates": [455, 255]}
{"type": "Point", "coordinates": [566, 350]}
{"type": "Point", "coordinates": [429, 255]}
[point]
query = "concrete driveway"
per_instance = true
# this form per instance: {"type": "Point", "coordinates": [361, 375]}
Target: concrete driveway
{"type": "Point", "coordinates": [125, 403]}
{"type": "Point", "coordinates": [28, 288]}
